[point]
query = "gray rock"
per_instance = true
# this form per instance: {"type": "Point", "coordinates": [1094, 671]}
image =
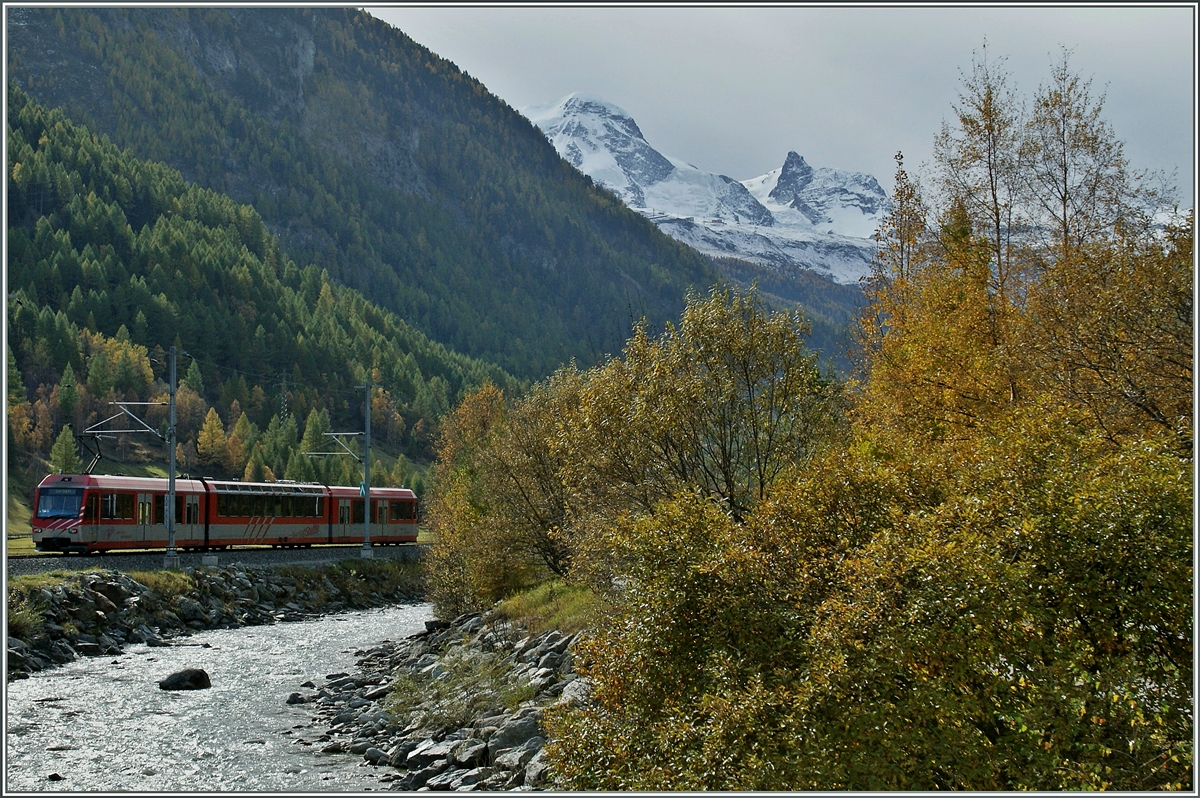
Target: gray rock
{"type": "Point", "coordinates": [466, 779]}
{"type": "Point", "coordinates": [375, 756]}
{"type": "Point", "coordinates": [444, 781]}
{"type": "Point", "coordinates": [103, 603]}
{"type": "Point", "coordinates": [186, 679]}
{"type": "Point", "coordinates": [512, 734]}
{"type": "Point", "coordinates": [515, 758]}
{"type": "Point", "coordinates": [296, 698]}
{"type": "Point", "coordinates": [89, 649]}
{"type": "Point", "coordinates": [577, 691]}
{"type": "Point", "coordinates": [61, 652]}
{"type": "Point", "coordinates": [471, 753]}
{"type": "Point", "coordinates": [417, 778]}
{"type": "Point", "coordinates": [537, 771]}
{"type": "Point", "coordinates": [378, 692]}
{"type": "Point", "coordinates": [431, 751]}
{"type": "Point", "coordinates": [398, 754]}
{"type": "Point", "coordinates": [112, 591]}
{"type": "Point", "coordinates": [190, 610]}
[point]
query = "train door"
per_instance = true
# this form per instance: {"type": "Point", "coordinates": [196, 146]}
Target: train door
{"type": "Point", "coordinates": [343, 524]}
{"type": "Point", "coordinates": [379, 518]}
{"type": "Point", "coordinates": [145, 517]}
{"type": "Point", "coordinates": [191, 517]}
{"type": "Point", "coordinates": [91, 517]}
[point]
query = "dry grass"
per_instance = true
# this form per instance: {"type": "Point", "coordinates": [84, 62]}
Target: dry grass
{"type": "Point", "coordinates": [166, 584]}
{"type": "Point", "coordinates": [17, 528]}
{"type": "Point", "coordinates": [551, 605]}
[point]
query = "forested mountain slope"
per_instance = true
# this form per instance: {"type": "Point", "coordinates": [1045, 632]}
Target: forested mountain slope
{"type": "Point", "coordinates": [373, 159]}
{"type": "Point", "coordinates": [112, 260]}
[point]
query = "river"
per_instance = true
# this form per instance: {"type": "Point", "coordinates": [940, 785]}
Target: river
{"type": "Point", "coordinates": [102, 723]}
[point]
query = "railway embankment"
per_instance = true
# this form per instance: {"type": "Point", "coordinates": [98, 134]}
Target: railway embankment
{"type": "Point", "coordinates": [458, 706]}
{"type": "Point", "coordinates": [55, 618]}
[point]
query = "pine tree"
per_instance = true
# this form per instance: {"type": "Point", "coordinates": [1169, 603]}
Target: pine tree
{"type": "Point", "coordinates": [64, 457]}
{"type": "Point", "coordinates": [68, 393]}
{"type": "Point", "coordinates": [255, 470]}
{"type": "Point", "coordinates": [193, 379]}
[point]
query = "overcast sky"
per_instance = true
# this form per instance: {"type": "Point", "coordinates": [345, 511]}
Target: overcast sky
{"type": "Point", "coordinates": [732, 90]}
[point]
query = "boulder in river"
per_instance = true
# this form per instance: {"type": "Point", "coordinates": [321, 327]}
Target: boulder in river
{"type": "Point", "coordinates": [186, 679]}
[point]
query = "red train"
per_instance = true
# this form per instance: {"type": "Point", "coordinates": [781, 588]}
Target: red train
{"type": "Point", "coordinates": [89, 513]}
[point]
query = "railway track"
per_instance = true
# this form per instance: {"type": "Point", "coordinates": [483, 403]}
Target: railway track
{"type": "Point", "coordinates": [148, 560]}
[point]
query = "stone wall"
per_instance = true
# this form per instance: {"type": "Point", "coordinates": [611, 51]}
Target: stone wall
{"type": "Point", "coordinates": [96, 613]}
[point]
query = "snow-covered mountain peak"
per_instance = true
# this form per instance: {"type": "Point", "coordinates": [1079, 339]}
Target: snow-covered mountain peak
{"type": "Point", "coordinates": [796, 216]}
{"type": "Point", "coordinates": [792, 178]}
{"type": "Point", "coordinates": [602, 141]}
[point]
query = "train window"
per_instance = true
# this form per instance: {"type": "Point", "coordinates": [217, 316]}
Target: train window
{"type": "Point", "coordinates": [179, 502]}
{"type": "Point", "coordinates": [258, 506]}
{"type": "Point", "coordinates": [116, 506]}
{"type": "Point", "coordinates": [59, 502]}
{"type": "Point", "coordinates": [225, 504]}
{"type": "Point", "coordinates": [319, 507]}
{"type": "Point", "coordinates": [401, 510]}
{"type": "Point", "coordinates": [160, 508]}
{"type": "Point", "coordinates": [356, 511]}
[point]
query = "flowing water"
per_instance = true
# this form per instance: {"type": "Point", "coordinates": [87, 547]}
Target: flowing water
{"type": "Point", "coordinates": [102, 723]}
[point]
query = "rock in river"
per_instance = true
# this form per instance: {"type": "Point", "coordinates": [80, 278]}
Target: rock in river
{"type": "Point", "coordinates": [186, 679]}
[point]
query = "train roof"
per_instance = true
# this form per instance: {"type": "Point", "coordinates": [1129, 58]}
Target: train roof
{"type": "Point", "coordinates": [147, 484]}
{"type": "Point", "coordinates": [273, 488]}
{"type": "Point", "coordinates": [117, 482]}
{"type": "Point", "coordinates": [355, 492]}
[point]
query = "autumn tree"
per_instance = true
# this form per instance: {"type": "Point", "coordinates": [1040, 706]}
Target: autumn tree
{"type": "Point", "coordinates": [988, 584]}
{"type": "Point", "coordinates": [212, 446]}
{"type": "Point", "coordinates": [722, 404]}
{"type": "Point", "coordinates": [470, 565]}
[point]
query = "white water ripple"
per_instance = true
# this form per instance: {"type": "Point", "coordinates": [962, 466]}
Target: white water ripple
{"type": "Point", "coordinates": [102, 723]}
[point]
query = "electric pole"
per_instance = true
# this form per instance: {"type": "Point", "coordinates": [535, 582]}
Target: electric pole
{"type": "Point", "coordinates": [171, 560]}
{"type": "Point", "coordinates": [366, 486]}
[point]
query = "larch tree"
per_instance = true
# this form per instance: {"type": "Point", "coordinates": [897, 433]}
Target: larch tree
{"type": "Point", "coordinates": [212, 447]}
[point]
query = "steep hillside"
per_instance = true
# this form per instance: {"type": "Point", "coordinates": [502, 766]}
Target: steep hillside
{"type": "Point", "coordinates": [376, 161]}
{"type": "Point", "coordinates": [112, 259]}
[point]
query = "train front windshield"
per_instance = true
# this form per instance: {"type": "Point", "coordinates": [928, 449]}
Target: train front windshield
{"type": "Point", "coordinates": [59, 502]}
